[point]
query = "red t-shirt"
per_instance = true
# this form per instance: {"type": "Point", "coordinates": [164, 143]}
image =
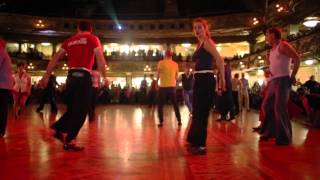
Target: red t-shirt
{"type": "Point", "coordinates": [80, 49]}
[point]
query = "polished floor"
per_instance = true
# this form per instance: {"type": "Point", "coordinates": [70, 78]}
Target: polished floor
{"type": "Point", "coordinates": [124, 142]}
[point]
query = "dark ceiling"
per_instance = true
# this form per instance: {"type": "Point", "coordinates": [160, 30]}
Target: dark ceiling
{"type": "Point", "coordinates": [129, 9]}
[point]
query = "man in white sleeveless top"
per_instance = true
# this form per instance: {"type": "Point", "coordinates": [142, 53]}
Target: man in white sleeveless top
{"type": "Point", "coordinates": [281, 56]}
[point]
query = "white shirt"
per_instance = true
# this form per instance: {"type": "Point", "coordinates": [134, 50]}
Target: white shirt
{"type": "Point", "coordinates": [21, 84]}
{"type": "Point", "coordinates": [279, 63]}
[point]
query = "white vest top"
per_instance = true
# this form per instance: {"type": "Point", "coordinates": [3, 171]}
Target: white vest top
{"type": "Point", "coordinates": [279, 63]}
{"type": "Point", "coordinates": [21, 84]}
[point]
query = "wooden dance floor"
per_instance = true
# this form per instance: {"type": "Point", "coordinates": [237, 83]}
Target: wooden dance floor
{"type": "Point", "coordinates": [124, 142]}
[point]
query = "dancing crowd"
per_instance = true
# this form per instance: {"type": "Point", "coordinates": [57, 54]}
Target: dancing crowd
{"type": "Point", "coordinates": [210, 85]}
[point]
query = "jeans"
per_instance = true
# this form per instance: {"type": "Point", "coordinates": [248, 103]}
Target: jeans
{"type": "Point", "coordinates": [187, 96]}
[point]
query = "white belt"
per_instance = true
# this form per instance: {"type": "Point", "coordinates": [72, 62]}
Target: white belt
{"type": "Point", "coordinates": [203, 72]}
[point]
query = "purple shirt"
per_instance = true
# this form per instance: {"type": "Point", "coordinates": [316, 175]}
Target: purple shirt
{"type": "Point", "coordinates": [6, 80]}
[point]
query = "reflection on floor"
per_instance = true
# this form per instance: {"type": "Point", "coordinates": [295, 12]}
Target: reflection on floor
{"type": "Point", "coordinates": [125, 143]}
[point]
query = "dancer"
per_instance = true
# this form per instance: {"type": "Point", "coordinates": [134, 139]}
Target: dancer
{"type": "Point", "coordinates": [168, 73]}
{"type": "Point", "coordinates": [21, 89]}
{"type": "Point", "coordinates": [6, 82]}
{"type": "Point", "coordinates": [244, 94]}
{"type": "Point", "coordinates": [225, 100]}
{"type": "Point", "coordinates": [152, 96]}
{"type": "Point", "coordinates": [48, 93]}
{"type": "Point", "coordinates": [81, 49]}
{"type": "Point", "coordinates": [187, 84]}
{"type": "Point", "coordinates": [276, 100]}
{"type": "Point", "coordinates": [204, 85]}
{"type": "Point", "coordinates": [236, 86]}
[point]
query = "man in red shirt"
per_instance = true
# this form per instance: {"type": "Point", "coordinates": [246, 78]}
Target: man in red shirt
{"type": "Point", "coordinates": [81, 49]}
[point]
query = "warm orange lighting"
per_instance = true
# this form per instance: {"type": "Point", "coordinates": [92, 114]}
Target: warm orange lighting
{"type": "Point", "coordinates": [255, 21]}
{"type": "Point", "coordinates": [65, 67]}
{"type": "Point", "coordinates": [30, 66]}
{"type": "Point", "coordinates": [280, 8]}
{"type": "Point", "coordinates": [39, 24]}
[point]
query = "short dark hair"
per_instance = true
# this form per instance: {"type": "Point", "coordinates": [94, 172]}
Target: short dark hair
{"type": "Point", "coordinates": [276, 32]}
{"type": "Point", "coordinates": [21, 64]}
{"type": "Point", "coordinates": [236, 75]}
{"type": "Point", "coordinates": [84, 26]}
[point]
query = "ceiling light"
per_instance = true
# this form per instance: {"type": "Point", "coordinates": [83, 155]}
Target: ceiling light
{"type": "Point", "coordinates": [45, 44]}
{"type": "Point", "coordinates": [309, 62]}
{"type": "Point", "coordinates": [311, 21]}
{"type": "Point", "coordinates": [186, 45]}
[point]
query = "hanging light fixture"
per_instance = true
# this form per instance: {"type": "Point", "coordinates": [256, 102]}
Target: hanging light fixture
{"type": "Point", "coordinates": [311, 21]}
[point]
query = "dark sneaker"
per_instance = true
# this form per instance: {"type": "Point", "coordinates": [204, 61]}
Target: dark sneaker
{"type": "Point", "coordinates": [160, 125]}
{"type": "Point", "coordinates": [72, 147]}
{"type": "Point", "coordinates": [256, 129]}
{"type": "Point", "coordinates": [197, 150]}
{"type": "Point", "coordinates": [282, 143]}
{"type": "Point", "coordinates": [264, 138]}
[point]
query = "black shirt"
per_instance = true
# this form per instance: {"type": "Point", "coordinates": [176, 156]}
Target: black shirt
{"type": "Point", "coordinates": [187, 81]}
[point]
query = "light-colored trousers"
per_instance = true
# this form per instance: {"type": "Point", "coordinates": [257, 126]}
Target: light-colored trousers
{"type": "Point", "coordinates": [244, 100]}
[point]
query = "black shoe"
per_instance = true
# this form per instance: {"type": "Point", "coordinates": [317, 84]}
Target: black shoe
{"type": "Point", "coordinates": [282, 143]}
{"type": "Point", "coordinates": [264, 138]}
{"type": "Point", "coordinates": [160, 125]}
{"type": "Point", "coordinates": [58, 135]}
{"type": "Point", "coordinates": [72, 147]}
{"type": "Point", "coordinates": [256, 129]}
{"type": "Point", "coordinates": [197, 150]}
{"type": "Point", "coordinates": [179, 123]}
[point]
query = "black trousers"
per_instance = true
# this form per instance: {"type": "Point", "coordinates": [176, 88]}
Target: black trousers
{"type": "Point", "coordinates": [225, 103]}
{"type": "Point", "coordinates": [78, 99]}
{"type": "Point", "coordinates": [48, 94]}
{"type": "Point", "coordinates": [152, 98]}
{"type": "Point", "coordinates": [5, 97]}
{"type": "Point", "coordinates": [164, 94]}
{"type": "Point", "coordinates": [203, 92]}
{"type": "Point", "coordinates": [235, 95]}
